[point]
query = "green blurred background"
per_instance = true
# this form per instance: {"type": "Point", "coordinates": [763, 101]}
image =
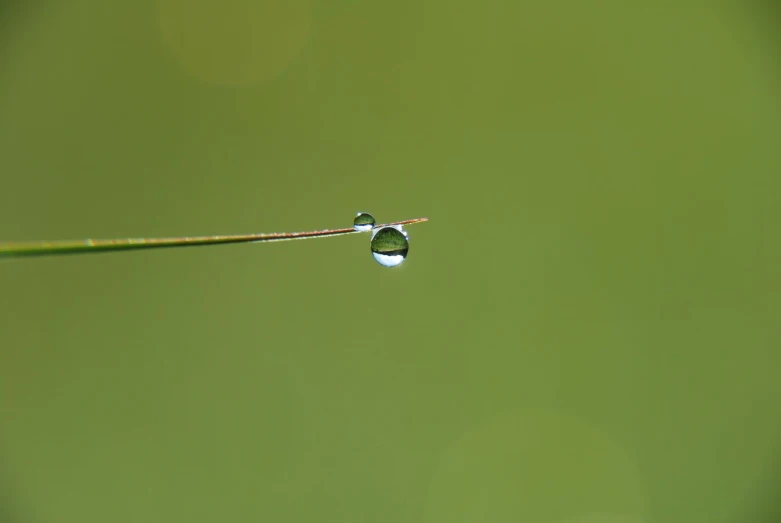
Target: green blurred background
{"type": "Point", "coordinates": [586, 331]}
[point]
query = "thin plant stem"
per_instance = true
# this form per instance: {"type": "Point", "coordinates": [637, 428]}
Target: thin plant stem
{"type": "Point", "coordinates": [33, 249]}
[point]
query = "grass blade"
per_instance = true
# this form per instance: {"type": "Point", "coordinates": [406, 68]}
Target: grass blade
{"type": "Point", "coordinates": [89, 245]}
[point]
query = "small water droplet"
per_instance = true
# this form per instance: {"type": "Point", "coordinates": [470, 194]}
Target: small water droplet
{"type": "Point", "coordinates": [363, 221]}
{"type": "Point", "coordinates": [390, 245]}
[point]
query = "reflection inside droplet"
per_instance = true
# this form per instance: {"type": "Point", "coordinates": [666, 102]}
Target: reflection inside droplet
{"type": "Point", "coordinates": [390, 245]}
{"type": "Point", "coordinates": [363, 221]}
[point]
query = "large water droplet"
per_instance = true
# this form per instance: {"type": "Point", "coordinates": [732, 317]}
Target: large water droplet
{"type": "Point", "coordinates": [363, 221]}
{"type": "Point", "coordinates": [390, 245]}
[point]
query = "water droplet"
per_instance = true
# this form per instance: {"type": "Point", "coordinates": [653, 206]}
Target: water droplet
{"type": "Point", "coordinates": [363, 221]}
{"type": "Point", "coordinates": [390, 245]}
